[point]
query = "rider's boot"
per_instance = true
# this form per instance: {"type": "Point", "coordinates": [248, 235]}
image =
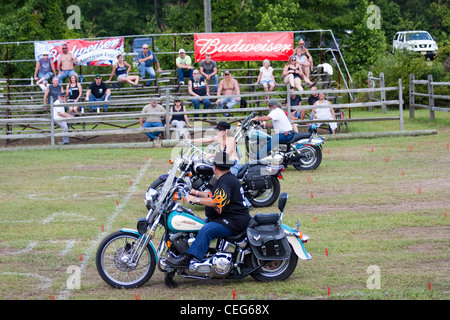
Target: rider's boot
{"type": "Point", "coordinates": [182, 261]}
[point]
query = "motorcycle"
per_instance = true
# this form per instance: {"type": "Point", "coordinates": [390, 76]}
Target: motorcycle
{"type": "Point", "coordinates": [259, 179]}
{"type": "Point", "coordinates": [267, 251]}
{"type": "Point", "coordinates": [303, 151]}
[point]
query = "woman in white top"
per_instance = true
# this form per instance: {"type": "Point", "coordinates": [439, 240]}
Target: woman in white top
{"type": "Point", "coordinates": [324, 113]}
{"type": "Point", "coordinates": [266, 77]}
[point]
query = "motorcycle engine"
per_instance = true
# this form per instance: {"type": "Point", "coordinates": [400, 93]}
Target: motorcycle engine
{"type": "Point", "coordinates": [217, 266]}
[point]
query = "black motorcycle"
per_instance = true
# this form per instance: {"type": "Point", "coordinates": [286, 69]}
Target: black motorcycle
{"type": "Point", "coordinates": [303, 151]}
{"type": "Point", "coordinates": [259, 179]}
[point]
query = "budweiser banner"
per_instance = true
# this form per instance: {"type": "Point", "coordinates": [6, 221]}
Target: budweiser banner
{"type": "Point", "coordinates": [90, 53]}
{"type": "Point", "coordinates": [244, 46]}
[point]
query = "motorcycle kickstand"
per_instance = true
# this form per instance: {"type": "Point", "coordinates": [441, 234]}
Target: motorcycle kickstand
{"type": "Point", "coordinates": [168, 280]}
{"type": "Point", "coordinates": [254, 269]}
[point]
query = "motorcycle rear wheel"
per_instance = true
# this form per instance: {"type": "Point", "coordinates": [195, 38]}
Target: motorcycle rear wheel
{"type": "Point", "coordinates": [276, 270]}
{"type": "Point", "coordinates": [114, 271]}
{"type": "Point", "coordinates": [311, 158]}
{"type": "Point", "coordinates": [269, 196]}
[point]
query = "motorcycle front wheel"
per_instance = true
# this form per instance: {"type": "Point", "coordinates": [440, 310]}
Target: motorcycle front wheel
{"type": "Point", "coordinates": [311, 157]}
{"type": "Point", "coordinates": [110, 260]}
{"type": "Point", "coordinates": [265, 198]}
{"type": "Point", "coordinates": [275, 270]}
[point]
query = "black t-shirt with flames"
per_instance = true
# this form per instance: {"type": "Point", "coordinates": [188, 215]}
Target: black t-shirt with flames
{"type": "Point", "coordinates": [231, 209]}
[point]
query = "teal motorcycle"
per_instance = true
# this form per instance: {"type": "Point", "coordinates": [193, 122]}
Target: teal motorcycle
{"type": "Point", "coordinates": [267, 251]}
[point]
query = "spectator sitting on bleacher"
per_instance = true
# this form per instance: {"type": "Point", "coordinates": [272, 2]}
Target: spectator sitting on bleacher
{"type": "Point", "coordinates": [179, 121]}
{"type": "Point", "coordinates": [198, 87]}
{"type": "Point", "coordinates": [146, 59]}
{"type": "Point", "coordinates": [98, 91]}
{"type": "Point", "coordinates": [74, 91]}
{"type": "Point", "coordinates": [228, 87]}
{"type": "Point", "coordinates": [324, 113]}
{"type": "Point", "coordinates": [52, 91]}
{"type": "Point", "coordinates": [292, 73]}
{"type": "Point", "coordinates": [45, 70]}
{"type": "Point", "coordinates": [296, 114]}
{"type": "Point", "coordinates": [303, 62]}
{"type": "Point", "coordinates": [184, 66]}
{"type": "Point", "coordinates": [208, 69]}
{"type": "Point", "coordinates": [266, 77]}
{"type": "Point", "coordinates": [121, 69]}
{"type": "Point", "coordinates": [302, 50]}
{"type": "Point", "coordinates": [59, 114]}
{"type": "Point", "coordinates": [66, 61]}
{"type": "Point", "coordinates": [152, 120]}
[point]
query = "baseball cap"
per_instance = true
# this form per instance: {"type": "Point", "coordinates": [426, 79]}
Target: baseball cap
{"type": "Point", "coordinates": [222, 125]}
{"type": "Point", "coordinates": [274, 102]}
{"type": "Point", "coordinates": [181, 51]}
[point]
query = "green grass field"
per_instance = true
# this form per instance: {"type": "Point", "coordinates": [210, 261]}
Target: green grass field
{"type": "Point", "coordinates": [374, 204]}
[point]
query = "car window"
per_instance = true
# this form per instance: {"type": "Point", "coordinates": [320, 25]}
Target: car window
{"type": "Point", "coordinates": [418, 36]}
{"type": "Point", "coordinates": [396, 37]}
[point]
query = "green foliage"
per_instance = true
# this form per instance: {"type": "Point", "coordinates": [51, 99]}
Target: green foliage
{"type": "Point", "coordinates": [364, 45]}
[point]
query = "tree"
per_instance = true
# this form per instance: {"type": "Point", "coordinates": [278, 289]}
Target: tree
{"type": "Point", "coordinates": [366, 43]}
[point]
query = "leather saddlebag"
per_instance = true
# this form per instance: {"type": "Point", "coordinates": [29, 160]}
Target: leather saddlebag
{"type": "Point", "coordinates": [269, 242]}
{"type": "Point", "coordinates": [257, 178]}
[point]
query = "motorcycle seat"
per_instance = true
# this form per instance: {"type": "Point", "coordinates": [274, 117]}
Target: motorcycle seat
{"type": "Point", "coordinates": [298, 136]}
{"type": "Point", "coordinates": [242, 171]}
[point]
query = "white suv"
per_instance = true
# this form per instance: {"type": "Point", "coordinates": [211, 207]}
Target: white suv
{"type": "Point", "coordinates": [416, 41]}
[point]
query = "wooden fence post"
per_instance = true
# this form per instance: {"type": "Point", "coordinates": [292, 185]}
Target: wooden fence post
{"type": "Point", "coordinates": [412, 100]}
{"type": "Point", "coordinates": [400, 99]}
{"type": "Point", "coordinates": [383, 93]}
{"type": "Point", "coordinates": [430, 96]}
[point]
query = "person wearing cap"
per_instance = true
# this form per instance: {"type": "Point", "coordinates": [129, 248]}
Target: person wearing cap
{"type": "Point", "coordinates": [146, 59]}
{"type": "Point", "coordinates": [59, 114]}
{"type": "Point", "coordinates": [45, 69]}
{"type": "Point", "coordinates": [228, 87]}
{"type": "Point", "coordinates": [281, 124]}
{"type": "Point", "coordinates": [152, 120]}
{"type": "Point", "coordinates": [226, 144]}
{"type": "Point", "coordinates": [225, 209]}
{"type": "Point", "coordinates": [184, 66]}
{"type": "Point", "coordinates": [98, 91]}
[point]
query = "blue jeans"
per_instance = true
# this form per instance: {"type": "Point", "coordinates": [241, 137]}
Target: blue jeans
{"type": "Point", "coordinates": [229, 102]}
{"type": "Point", "coordinates": [66, 74]}
{"type": "Point", "coordinates": [152, 135]}
{"type": "Point", "coordinates": [206, 104]}
{"type": "Point", "coordinates": [184, 73]}
{"type": "Point", "coordinates": [93, 98]}
{"type": "Point", "coordinates": [46, 75]}
{"type": "Point", "coordinates": [142, 68]}
{"type": "Point", "coordinates": [279, 138]}
{"type": "Point", "coordinates": [215, 83]}
{"type": "Point", "coordinates": [208, 232]}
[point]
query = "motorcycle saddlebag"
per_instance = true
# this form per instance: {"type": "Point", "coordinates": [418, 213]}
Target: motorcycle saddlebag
{"type": "Point", "coordinates": [269, 242]}
{"type": "Point", "coordinates": [257, 178]}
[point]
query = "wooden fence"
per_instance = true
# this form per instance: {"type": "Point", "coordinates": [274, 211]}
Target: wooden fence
{"type": "Point", "coordinates": [35, 124]}
{"type": "Point", "coordinates": [430, 86]}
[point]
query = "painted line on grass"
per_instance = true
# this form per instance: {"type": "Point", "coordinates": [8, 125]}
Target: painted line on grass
{"type": "Point", "coordinates": [65, 293]}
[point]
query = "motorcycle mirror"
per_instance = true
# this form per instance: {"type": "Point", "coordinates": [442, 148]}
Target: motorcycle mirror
{"type": "Point", "coordinates": [282, 201]}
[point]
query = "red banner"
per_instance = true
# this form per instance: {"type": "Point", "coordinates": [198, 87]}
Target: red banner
{"type": "Point", "coordinates": [91, 53]}
{"type": "Point", "coordinates": [244, 46]}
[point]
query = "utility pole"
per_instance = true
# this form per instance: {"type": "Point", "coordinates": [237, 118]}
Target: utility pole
{"type": "Point", "coordinates": [207, 7]}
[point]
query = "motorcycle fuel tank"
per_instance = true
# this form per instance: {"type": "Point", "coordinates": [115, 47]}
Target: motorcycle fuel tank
{"type": "Point", "coordinates": [203, 168]}
{"type": "Point", "coordinates": [184, 222]}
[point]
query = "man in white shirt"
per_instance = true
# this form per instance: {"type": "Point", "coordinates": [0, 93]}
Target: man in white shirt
{"type": "Point", "coordinates": [281, 124]}
{"type": "Point", "coordinates": [59, 114]}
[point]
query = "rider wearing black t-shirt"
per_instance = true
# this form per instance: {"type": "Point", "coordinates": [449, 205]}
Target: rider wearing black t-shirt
{"type": "Point", "coordinates": [226, 210]}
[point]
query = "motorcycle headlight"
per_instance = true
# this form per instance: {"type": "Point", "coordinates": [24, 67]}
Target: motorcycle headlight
{"type": "Point", "coordinates": [150, 197]}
